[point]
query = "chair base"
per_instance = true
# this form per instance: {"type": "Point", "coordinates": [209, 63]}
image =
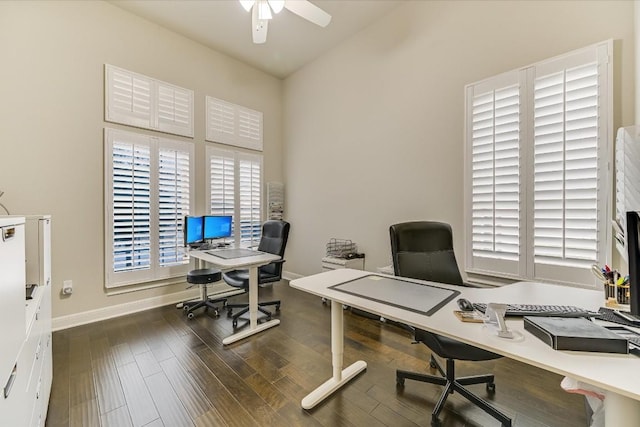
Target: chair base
{"type": "Point", "coordinates": [190, 306]}
{"type": "Point", "coordinates": [245, 309]}
{"type": "Point", "coordinates": [452, 384]}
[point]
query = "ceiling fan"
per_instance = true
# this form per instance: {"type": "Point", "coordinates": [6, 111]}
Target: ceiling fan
{"type": "Point", "coordinates": [261, 14]}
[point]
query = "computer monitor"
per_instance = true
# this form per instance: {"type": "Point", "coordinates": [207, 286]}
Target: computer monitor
{"type": "Point", "coordinates": [633, 251]}
{"type": "Point", "coordinates": [193, 230]}
{"type": "Point", "coordinates": [217, 226]}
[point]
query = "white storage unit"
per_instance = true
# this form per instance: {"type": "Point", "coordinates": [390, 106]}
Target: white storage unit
{"type": "Point", "coordinates": [28, 385]}
{"type": "Point", "coordinates": [333, 263]}
{"type": "Point", "coordinates": [13, 374]}
{"type": "Point", "coordinates": [37, 351]}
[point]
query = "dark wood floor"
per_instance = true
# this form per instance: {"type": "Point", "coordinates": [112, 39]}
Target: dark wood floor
{"type": "Point", "coordinates": [156, 368]}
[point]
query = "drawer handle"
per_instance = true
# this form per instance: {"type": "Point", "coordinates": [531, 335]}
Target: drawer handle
{"type": "Point", "coordinates": [8, 233]}
{"type": "Point", "coordinates": [12, 379]}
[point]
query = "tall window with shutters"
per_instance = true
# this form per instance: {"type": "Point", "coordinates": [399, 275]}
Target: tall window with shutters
{"type": "Point", "coordinates": [148, 191]}
{"type": "Point", "coordinates": [538, 187]}
{"type": "Point", "coordinates": [234, 187]}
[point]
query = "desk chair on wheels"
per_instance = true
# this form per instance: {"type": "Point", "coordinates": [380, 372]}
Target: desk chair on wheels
{"type": "Point", "coordinates": [424, 250]}
{"type": "Point", "coordinates": [274, 241]}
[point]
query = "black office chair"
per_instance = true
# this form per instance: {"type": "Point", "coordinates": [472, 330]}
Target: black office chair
{"type": "Point", "coordinates": [424, 250]}
{"type": "Point", "coordinates": [203, 277]}
{"type": "Point", "coordinates": [273, 240]}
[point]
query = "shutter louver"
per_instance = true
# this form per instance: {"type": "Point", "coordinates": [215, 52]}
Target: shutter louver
{"type": "Point", "coordinates": [173, 205]}
{"type": "Point", "coordinates": [566, 167]}
{"type": "Point", "coordinates": [496, 174]}
{"type": "Point", "coordinates": [131, 206]}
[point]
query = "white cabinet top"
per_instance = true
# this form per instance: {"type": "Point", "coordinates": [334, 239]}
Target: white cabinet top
{"type": "Point", "coordinates": [6, 220]}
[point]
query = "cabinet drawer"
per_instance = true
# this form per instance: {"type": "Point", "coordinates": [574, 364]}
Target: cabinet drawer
{"type": "Point", "coordinates": [14, 407]}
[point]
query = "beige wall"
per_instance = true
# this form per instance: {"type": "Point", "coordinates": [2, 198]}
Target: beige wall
{"type": "Point", "coordinates": [51, 122]}
{"type": "Point", "coordinates": [374, 128]}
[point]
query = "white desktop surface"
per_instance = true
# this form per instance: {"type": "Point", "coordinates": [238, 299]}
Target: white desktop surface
{"type": "Point", "coordinates": [615, 373]}
{"type": "Point", "coordinates": [251, 263]}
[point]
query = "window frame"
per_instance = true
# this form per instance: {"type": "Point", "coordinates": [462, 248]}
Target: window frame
{"type": "Point", "coordinates": [154, 272]}
{"type": "Point", "coordinates": [525, 268]}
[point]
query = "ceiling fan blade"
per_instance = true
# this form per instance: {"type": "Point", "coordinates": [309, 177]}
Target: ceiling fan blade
{"type": "Point", "coordinates": [259, 27]}
{"type": "Point", "coordinates": [247, 4]}
{"type": "Point", "coordinates": [308, 11]}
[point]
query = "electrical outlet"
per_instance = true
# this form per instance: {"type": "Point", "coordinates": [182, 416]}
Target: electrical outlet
{"type": "Point", "coordinates": [67, 287]}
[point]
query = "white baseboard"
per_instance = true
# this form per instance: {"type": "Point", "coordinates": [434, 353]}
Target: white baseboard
{"type": "Point", "coordinates": [289, 275]}
{"type": "Point", "coordinates": [77, 319]}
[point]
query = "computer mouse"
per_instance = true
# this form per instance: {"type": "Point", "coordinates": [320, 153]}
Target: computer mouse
{"type": "Point", "coordinates": [465, 304]}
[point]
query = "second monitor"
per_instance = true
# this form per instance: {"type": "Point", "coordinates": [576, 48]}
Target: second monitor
{"type": "Point", "coordinates": [217, 226]}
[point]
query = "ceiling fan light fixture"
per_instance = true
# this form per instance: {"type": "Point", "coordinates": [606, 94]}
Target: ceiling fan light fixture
{"type": "Point", "coordinates": [247, 4]}
{"type": "Point", "coordinates": [276, 5]}
{"type": "Point", "coordinates": [264, 11]}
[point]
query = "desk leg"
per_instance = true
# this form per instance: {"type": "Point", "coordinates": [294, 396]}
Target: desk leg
{"type": "Point", "coordinates": [621, 411]}
{"type": "Point", "coordinates": [254, 327]}
{"type": "Point", "coordinates": [340, 376]}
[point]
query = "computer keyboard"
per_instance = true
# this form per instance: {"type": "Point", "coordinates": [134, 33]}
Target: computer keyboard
{"type": "Point", "coordinates": [541, 310]}
{"type": "Point", "coordinates": [610, 316]}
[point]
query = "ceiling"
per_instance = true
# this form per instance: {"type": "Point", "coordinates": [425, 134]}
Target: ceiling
{"type": "Point", "coordinates": [223, 25]}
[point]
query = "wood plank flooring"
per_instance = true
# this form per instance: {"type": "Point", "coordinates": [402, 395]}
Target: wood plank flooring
{"type": "Point", "coordinates": [156, 368]}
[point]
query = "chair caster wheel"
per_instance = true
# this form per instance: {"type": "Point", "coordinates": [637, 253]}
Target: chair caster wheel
{"type": "Point", "coordinates": [234, 323]}
{"type": "Point", "coordinates": [229, 313]}
{"type": "Point", "coordinates": [190, 316]}
{"type": "Point", "coordinates": [400, 382]}
{"type": "Point", "coordinates": [491, 387]}
{"type": "Point", "coordinates": [185, 308]}
{"type": "Point", "coordinates": [215, 313]}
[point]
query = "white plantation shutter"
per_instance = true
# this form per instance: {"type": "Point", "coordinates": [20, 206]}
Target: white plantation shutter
{"type": "Point", "coordinates": [174, 188]}
{"type": "Point", "coordinates": [131, 194]}
{"type": "Point", "coordinates": [220, 121]}
{"type": "Point", "coordinates": [250, 187]}
{"type": "Point", "coordinates": [566, 167]}
{"type": "Point", "coordinates": [232, 124]}
{"type": "Point", "coordinates": [222, 182]}
{"type": "Point", "coordinates": [495, 174]}
{"type": "Point", "coordinates": [137, 100]}
{"type": "Point", "coordinates": [175, 109]}
{"type": "Point", "coordinates": [148, 191]}
{"type": "Point", "coordinates": [235, 188]}
{"type": "Point", "coordinates": [494, 156]}
{"type": "Point", "coordinates": [128, 98]}
{"type": "Point", "coordinates": [563, 152]}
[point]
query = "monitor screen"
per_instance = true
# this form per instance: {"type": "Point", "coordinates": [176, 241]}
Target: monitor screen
{"type": "Point", "coordinates": [633, 251]}
{"type": "Point", "coordinates": [193, 230]}
{"type": "Point", "coordinates": [217, 226]}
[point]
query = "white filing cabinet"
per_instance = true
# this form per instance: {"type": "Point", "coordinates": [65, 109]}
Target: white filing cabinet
{"type": "Point", "coordinates": [26, 402]}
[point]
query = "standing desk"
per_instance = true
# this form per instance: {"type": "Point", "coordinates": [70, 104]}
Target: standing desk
{"type": "Point", "coordinates": [248, 262]}
{"type": "Point", "coordinates": [617, 374]}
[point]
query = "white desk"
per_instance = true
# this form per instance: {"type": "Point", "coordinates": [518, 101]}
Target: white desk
{"type": "Point", "coordinates": [251, 263]}
{"type": "Point", "coordinates": [615, 373]}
